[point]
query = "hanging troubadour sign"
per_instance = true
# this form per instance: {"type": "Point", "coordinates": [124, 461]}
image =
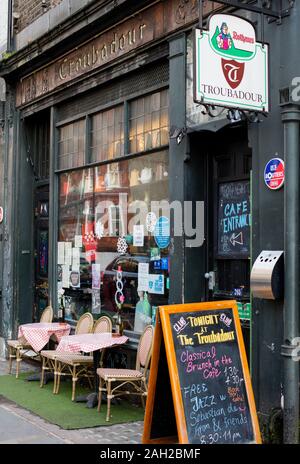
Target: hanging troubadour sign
{"type": "Point", "coordinates": [231, 67]}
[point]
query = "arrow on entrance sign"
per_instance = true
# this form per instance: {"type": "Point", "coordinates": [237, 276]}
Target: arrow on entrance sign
{"type": "Point", "coordinates": [237, 239]}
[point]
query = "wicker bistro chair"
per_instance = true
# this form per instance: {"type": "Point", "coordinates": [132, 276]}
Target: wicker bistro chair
{"type": "Point", "coordinates": [81, 365]}
{"type": "Point", "coordinates": [84, 325]}
{"type": "Point", "coordinates": [123, 377]}
{"type": "Point", "coordinates": [17, 349]}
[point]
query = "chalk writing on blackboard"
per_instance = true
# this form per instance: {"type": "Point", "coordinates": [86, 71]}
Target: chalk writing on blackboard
{"type": "Point", "coordinates": [234, 219]}
{"type": "Point", "coordinates": [211, 377]}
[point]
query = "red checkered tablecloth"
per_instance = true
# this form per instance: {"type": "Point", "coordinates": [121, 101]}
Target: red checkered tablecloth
{"type": "Point", "coordinates": [39, 333]}
{"type": "Point", "coordinates": [89, 342]}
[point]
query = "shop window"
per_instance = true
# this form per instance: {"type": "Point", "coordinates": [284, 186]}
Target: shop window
{"type": "Point", "coordinates": [149, 122]}
{"type": "Point", "coordinates": [107, 134]}
{"type": "Point", "coordinates": [96, 211]}
{"type": "Point", "coordinates": [71, 145]}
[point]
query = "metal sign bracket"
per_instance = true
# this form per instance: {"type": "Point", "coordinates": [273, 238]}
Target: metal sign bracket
{"type": "Point", "coordinates": [273, 10]}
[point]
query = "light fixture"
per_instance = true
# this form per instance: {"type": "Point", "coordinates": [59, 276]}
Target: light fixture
{"type": "Point", "coordinates": [234, 115]}
{"type": "Point", "coordinates": [178, 134]}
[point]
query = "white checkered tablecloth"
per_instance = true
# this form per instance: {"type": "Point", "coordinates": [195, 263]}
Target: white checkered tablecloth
{"type": "Point", "coordinates": [89, 342]}
{"type": "Point", "coordinates": [39, 333]}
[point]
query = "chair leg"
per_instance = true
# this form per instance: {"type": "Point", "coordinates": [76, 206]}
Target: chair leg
{"type": "Point", "coordinates": [144, 388]}
{"type": "Point", "coordinates": [108, 400]}
{"type": "Point", "coordinates": [55, 377]}
{"type": "Point", "coordinates": [11, 356]}
{"type": "Point", "coordinates": [74, 380]}
{"type": "Point", "coordinates": [18, 359]}
{"type": "Point", "coordinates": [58, 374]}
{"type": "Point", "coordinates": [100, 393]}
{"type": "Point", "coordinates": [43, 372]}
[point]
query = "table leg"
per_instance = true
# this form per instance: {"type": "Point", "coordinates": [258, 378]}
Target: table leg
{"type": "Point", "coordinates": [91, 400]}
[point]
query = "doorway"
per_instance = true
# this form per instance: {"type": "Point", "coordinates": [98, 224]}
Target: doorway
{"type": "Point", "coordinates": [225, 185]}
{"type": "Point", "coordinates": [41, 250]}
{"type": "Point", "coordinates": [37, 144]}
{"type": "Point", "coordinates": [229, 224]}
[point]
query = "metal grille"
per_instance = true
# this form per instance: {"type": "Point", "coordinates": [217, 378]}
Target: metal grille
{"type": "Point", "coordinates": [37, 139]}
{"type": "Point", "coordinates": [133, 84]}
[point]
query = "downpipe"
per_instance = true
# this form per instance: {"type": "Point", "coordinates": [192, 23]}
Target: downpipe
{"type": "Point", "coordinates": [291, 123]}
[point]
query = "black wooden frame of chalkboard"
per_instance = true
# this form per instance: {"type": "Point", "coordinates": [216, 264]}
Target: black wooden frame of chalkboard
{"type": "Point", "coordinates": [217, 183]}
{"type": "Point", "coordinates": [165, 336]}
{"type": "Point", "coordinates": [160, 422]}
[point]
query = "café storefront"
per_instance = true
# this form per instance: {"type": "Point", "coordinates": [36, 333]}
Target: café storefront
{"type": "Point", "coordinates": [95, 125]}
{"type": "Point", "coordinates": [97, 142]}
{"type": "Point", "coordinates": [107, 126]}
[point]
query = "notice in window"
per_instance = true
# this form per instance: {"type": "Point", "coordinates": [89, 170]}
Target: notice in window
{"type": "Point", "coordinates": [143, 277]}
{"type": "Point", "coordinates": [65, 276]}
{"type": "Point", "coordinates": [61, 253]}
{"type": "Point", "coordinates": [96, 276]}
{"type": "Point", "coordinates": [138, 235]}
{"type": "Point", "coordinates": [156, 283]}
{"type": "Point", "coordinates": [78, 241]}
{"type": "Point", "coordinates": [68, 253]}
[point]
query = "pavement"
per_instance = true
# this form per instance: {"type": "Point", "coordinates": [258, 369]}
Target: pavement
{"type": "Point", "coordinates": [19, 426]}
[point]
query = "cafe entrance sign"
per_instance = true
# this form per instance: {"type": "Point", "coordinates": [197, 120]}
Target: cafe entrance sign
{"type": "Point", "coordinates": [231, 67]}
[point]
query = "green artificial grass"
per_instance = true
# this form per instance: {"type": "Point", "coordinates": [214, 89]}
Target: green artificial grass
{"type": "Point", "coordinates": [59, 409]}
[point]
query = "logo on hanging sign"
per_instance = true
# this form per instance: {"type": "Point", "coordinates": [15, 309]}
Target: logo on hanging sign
{"type": "Point", "coordinates": [233, 72]}
{"type": "Point", "coordinates": [232, 37]}
{"type": "Point", "coordinates": [231, 67]}
{"type": "Point", "coordinates": [274, 174]}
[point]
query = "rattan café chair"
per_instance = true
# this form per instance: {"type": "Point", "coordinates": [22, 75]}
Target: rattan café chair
{"type": "Point", "coordinates": [17, 349]}
{"type": "Point", "coordinates": [80, 365]}
{"type": "Point", "coordinates": [84, 325]}
{"type": "Point", "coordinates": [123, 377]}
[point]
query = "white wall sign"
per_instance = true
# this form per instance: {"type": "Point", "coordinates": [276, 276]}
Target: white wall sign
{"type": "Point", "coordinates": [231, 68]}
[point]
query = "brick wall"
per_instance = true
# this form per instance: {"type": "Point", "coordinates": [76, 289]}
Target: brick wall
{"type": "Point", "coordinates": [30, 10]}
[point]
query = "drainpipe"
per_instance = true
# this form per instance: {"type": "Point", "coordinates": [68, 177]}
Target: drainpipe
{"type": "Point", "coordinates": [10, 27]}
{"type": "Point", "coordinates": [291, 122]}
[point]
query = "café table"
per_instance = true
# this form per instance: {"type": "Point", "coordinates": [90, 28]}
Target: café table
{"type": "Point", "coordinates": [90, 343]}
{"type": "Point", "coordinates": [38, 334]}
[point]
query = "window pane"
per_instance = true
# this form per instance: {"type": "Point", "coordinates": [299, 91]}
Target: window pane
{"type": "Point", "coordinates": [149, 122]}
{"type": "Point", "coordinates": [71, 145]}
{"type": "Point", "coordinates": [107, 134]}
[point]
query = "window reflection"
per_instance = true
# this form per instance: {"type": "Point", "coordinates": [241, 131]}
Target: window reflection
{"type": "Point", "coordinates": [149, 122]}
{"type": "Point", "coordinates": [71, 145]}
{"type": "Point", "coordinates": [96, 206]}
{"type": "Point", "coordinates": [107, 134]}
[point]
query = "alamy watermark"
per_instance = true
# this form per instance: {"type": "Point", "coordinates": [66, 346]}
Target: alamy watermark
{"type": "Point", "coordinates": [295, 89]}
{"type": "Point", "coordinates": [182, 219]}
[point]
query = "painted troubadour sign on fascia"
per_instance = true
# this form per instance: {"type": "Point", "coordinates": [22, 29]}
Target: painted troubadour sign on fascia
{"type": "Point", "coordinates": [231, 67]}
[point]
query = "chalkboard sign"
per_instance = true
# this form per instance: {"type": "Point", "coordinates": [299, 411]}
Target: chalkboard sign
{"type": "Point", "coordinates": [207, 377]}
{"type": "Point", "coordinates": [234, 219]}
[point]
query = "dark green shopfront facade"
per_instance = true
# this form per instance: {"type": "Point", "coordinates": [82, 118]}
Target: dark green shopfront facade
{"type": "Point", "coordinates": [94, 116]}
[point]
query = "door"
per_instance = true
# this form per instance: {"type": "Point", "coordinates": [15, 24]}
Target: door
{"type": "Point", "coordinates": [41, 250]}
{"type": "Point", "coordinates": [229, 221]}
